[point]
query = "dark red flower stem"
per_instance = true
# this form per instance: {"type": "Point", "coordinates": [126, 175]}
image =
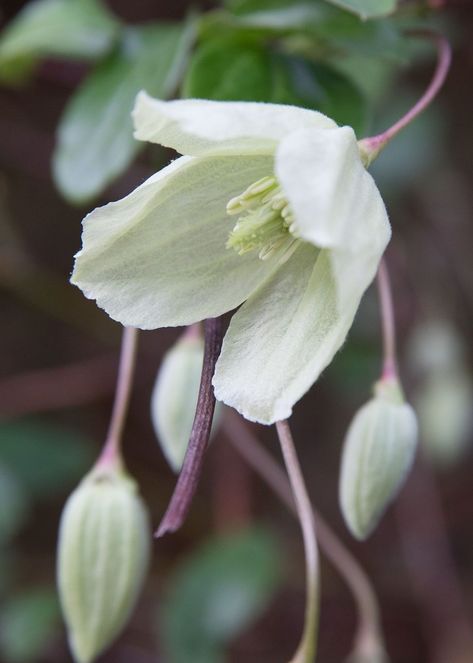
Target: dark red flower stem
{"type": "Point", "coordinates": [200, 434]}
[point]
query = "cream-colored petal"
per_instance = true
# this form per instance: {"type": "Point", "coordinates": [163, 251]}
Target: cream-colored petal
{"type": "Point", "coordinates": [197, 127]}
{"type": "Point", "coordinates": [282, 338]}
{"type": "Point", "coordinates": [158, 258]}
{"type": "Point", "coordinates": [335, 203]}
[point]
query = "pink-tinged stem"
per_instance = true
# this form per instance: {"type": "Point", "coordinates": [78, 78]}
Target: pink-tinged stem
{"type": "Point", "coordinates": [368, 641]}
{"type": "Point", "coordinates": [387, 322]}
{"type": "Point", "coordinates": [373, 145]}
{"type": "Point", "coordinates": [308, 645]}
{"type": "Point", "coordinates": [111, 453]}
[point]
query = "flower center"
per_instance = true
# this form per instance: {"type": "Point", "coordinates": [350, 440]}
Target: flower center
{"type": "Point", "coordinates": [266, 221]}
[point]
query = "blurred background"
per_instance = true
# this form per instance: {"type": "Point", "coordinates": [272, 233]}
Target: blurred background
{"type": "Point", "coordinates": [230, 585]}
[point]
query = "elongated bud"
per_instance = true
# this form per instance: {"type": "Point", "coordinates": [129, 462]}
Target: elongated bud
{"type": "Point", "coordinates": [103, 555]}
{"type": "Point", "coordinates": [175, 394]}
{"type": "Point", "coordinates": [378, 452]}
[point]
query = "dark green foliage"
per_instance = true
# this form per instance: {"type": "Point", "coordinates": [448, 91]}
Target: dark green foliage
{"type": "Point", "coordinates": [95, 135]}
{"type": "Point", "coordinates": [217, 593]}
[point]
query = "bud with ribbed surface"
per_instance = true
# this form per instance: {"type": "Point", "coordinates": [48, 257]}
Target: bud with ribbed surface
{"type": "Point", "coordinates": [378, 452]}
{"type": "Point", "coordinates": [175, 393]}
{"type": "Point", "coordinates": [103, 555]}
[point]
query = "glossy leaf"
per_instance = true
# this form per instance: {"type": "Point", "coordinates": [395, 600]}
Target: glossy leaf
{"type": "Point", "coordinates": [348, 34]}
{"type": "Point", "coordinates": [367, 8]}
{"type": "Point", "coordinates": [241, 71]}
{"type": "Point", "coordinates": [317, 86]}
{"type": "Point", "coordinates": [217, 593]}
{"type": "Point", "coordinates": [81, 29]}
{"type": "Point", "coordinates": [278, 14]}
{"type": "Point", "coordinates": [95, 135]}
{"type": "Point", "coordinates": [229, 71]}
{"type": "Point", "coordinates": [326, 28]}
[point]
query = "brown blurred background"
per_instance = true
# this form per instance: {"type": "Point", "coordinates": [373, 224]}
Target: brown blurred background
{"type": "Point", "coordinates": [59, 356]}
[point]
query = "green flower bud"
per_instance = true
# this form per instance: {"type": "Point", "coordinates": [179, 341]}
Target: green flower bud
{"type": "Point", "coordinates": [378, 452]}
{"type": "Point", "coordinates": [103, 554]}
{"type": "Point", "coordinates": [175, 394]}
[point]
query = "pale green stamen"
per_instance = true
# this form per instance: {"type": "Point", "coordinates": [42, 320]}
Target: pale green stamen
{"type": "Point", "coordinates": [266, 223]}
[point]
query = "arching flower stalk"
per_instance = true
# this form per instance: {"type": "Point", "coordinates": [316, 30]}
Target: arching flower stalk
{"type": "Point", "coordinates": [104, 537]}
{"type": "Point", "coordinates": [372, 146]}
{"type": "Point", "coordinates": [271, 209]}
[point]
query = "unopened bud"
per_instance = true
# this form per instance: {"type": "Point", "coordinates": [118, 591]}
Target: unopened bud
{"type": "Point", "coordinates": [378, 452]}
{"type": "Point", "coordinates": [174, 398]}
{"type": "Point", "coordinates": [103, 555]}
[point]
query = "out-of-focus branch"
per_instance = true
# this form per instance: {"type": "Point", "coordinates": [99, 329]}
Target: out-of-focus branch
{"type": "Point", "coordinates": [74, 385]}
{"type": "Point", "coordinates": [368, 639]}
{"type": "Point", "coordinates": [43, 289]}
{"type": "Point", "coordinates": [431, 569]}
{"type": "Point", "coordinates": [48, 293]}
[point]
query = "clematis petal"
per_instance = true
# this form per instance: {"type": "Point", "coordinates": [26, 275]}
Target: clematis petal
{"type": "Point", "coordinates": [335, 202]}
{"type": "Point", "coordinates": [158, 258]}
{"type": "Point", "coordinates": [282, 338]}
{"type": "Point", "coordinates": [197, 127]}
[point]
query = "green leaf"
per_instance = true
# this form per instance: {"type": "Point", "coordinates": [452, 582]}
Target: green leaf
{"type": "Point", "coordinates": [95, 136]}
{"type": "Point", "coordinates": [367, 8]}
{"type": "Point", "coordinates": [320, 87]}
{"type": "Point", "coordinates": [320, 29]}
{"type": "Point", "coordinates": [227, 70]}
{"type": "Point", "coordinates": [373, 76]}
{"type": "Point", "coordinates": [234, 70]}
{"type": "Point", "coordinates": [28, 623]}
{"type": "Point", "coordinates": [46, 459]}
{"type": "Point", "coordinates": [341, 31]}
{"type": "Point", "coordinates": [81, 29]}
{"type": "Point", "coordinates": [217, 593]}
{"type": "Point", "coordinates": [14, 505]}
{"type": "Point", "coordinates": [9, 564]}
{"type": "Point", "coordinates": [277, 14]}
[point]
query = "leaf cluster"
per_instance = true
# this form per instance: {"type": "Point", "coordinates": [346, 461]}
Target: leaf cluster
{"type": "Point", "coordinates": [335, 56]}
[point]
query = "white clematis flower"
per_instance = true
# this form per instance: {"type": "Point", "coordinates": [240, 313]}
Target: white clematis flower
{"type": "Point", "coordinates": [271, 207]}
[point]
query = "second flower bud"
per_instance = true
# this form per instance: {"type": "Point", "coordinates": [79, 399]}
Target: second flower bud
{"type": "Point", "coordinates": [378, 452]}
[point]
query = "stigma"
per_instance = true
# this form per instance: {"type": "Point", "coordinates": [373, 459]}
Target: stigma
{"type": "Point", "coordinates": [266, 222]}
